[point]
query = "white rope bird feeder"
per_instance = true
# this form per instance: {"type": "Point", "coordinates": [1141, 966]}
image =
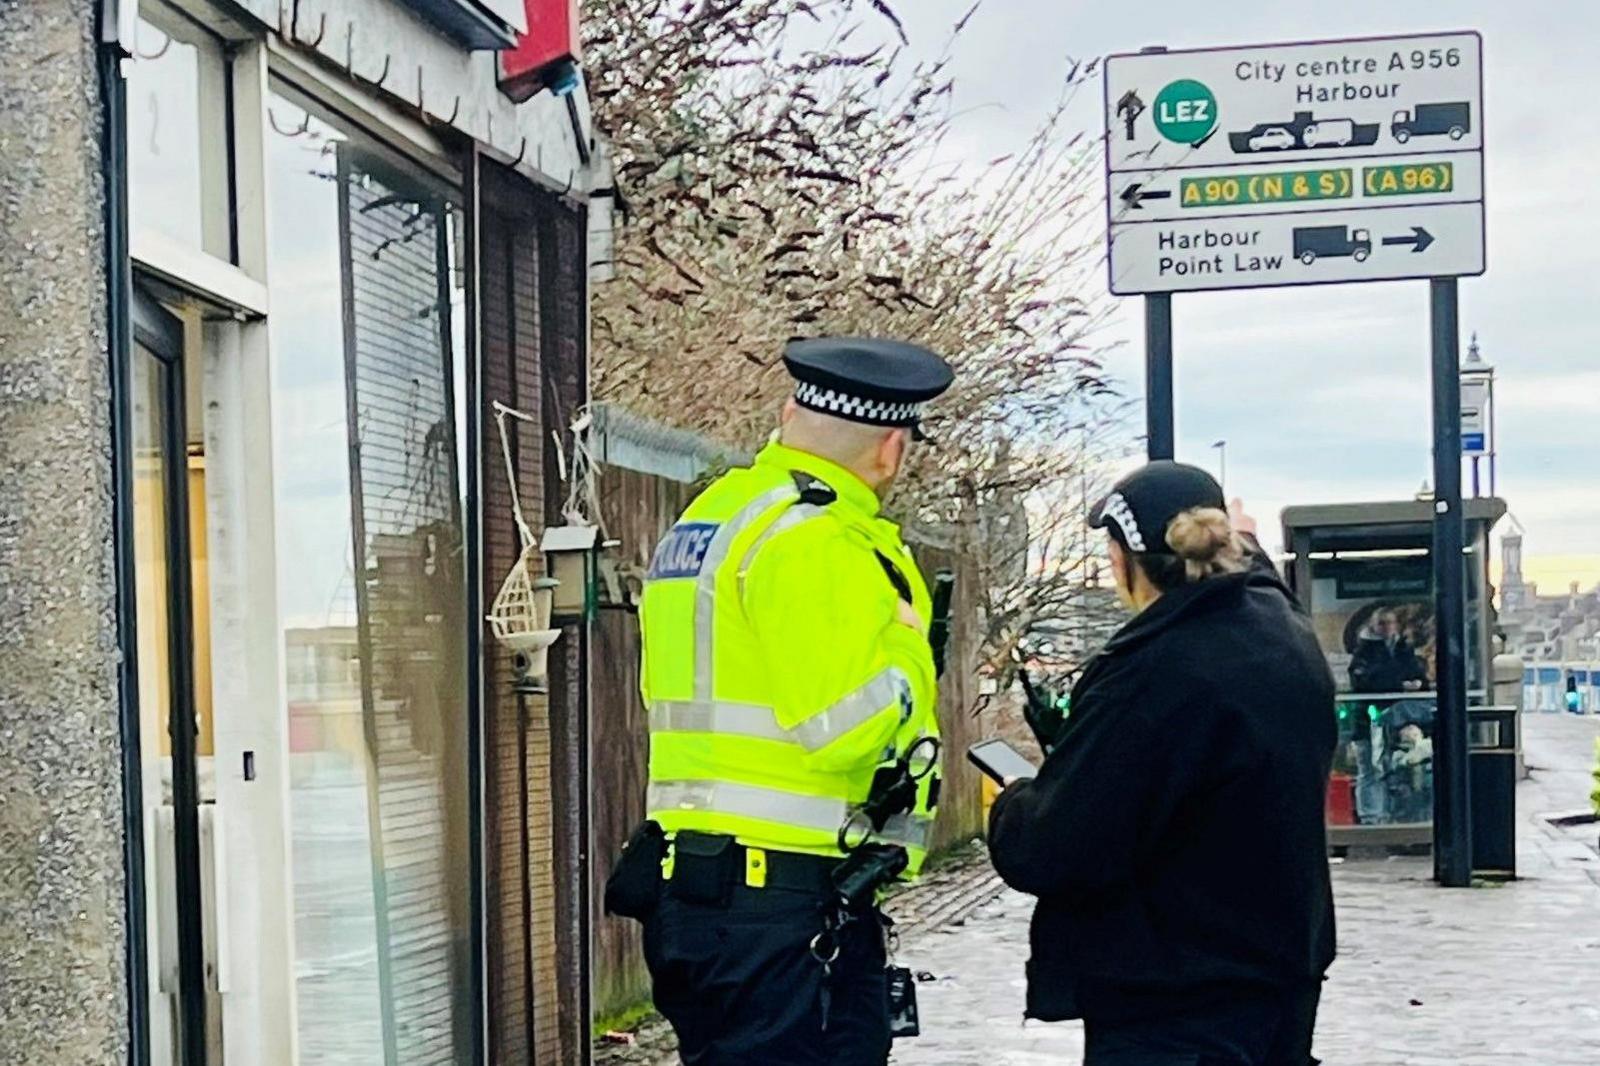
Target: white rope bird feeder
{"type": "Point", "coordinates": [520, 615]}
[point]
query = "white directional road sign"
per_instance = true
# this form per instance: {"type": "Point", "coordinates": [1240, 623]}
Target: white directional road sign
{"type": "Point", "coordinates": [1295, 164]}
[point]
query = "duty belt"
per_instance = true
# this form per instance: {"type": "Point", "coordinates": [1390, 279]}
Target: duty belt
{"type": "Point", "coordinates": [759, 868]}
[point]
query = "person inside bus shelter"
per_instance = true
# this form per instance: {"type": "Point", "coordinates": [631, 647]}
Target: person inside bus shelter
{"type": "Point", "coordinates": [1385, 663]}
{"type": "Point", "coordinates": [1385, 660]}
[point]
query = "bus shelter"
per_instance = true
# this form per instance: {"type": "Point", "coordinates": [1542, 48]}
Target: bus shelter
{"type": "Point", "coordinates": [1364, 572]}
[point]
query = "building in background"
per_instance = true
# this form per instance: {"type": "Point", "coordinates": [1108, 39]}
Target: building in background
{"type": "Point", "coordinates": [277, 261]}
{"type": "Point", "coordinates": [1557, 637]}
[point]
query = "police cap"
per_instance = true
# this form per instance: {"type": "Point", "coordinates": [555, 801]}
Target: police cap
{"type": "Point", "coordinates": [1142, 505]}
{"type": "Point", "coordinates": [861, 379]}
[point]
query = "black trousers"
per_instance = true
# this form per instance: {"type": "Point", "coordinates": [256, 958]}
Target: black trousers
{"type": "Point", "coordinates": [741, 988]}
{"type": "Point", "coordinates": [1248, 1030]}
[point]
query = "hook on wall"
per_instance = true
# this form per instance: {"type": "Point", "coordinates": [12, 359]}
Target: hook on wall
{"type": "Point", "coordinates": [158, 53]}
{"type": "Point", "coordinates": [455, 112]}
{"type": "Point", "coordinates": [572, 177]}
{"type": "Point", "coordinates": [166, 43]}
{"type": "Point", "coordinates": [293, 131]}
{"type": "Point", "coordinates": [384, 75]}
{"type": "Point", "coordinates": [517, 162]}
{"type": "Point", "coordinates": [322, 30]}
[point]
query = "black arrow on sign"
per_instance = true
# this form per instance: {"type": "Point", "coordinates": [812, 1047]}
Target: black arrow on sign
{"type": "Point", "coordinates": [1129, 108]}
{"type": "Point", "coordinates": [1419, 239]}
{"type": "Point", "coordinates": [1134, 196]}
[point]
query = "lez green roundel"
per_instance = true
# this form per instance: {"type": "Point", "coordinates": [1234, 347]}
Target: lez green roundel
{"type": "Point", "coordinates": [1185, 111]}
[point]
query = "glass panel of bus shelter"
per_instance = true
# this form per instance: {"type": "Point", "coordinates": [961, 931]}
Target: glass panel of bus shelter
{"type": "Point", "coordinates": [1374, 618]}
{"type": "Point", "coordinates": [1479, 617]}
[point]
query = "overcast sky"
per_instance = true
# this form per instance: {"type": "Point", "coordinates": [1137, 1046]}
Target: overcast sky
{"type": "Point", "coordinates": [1323, 393]}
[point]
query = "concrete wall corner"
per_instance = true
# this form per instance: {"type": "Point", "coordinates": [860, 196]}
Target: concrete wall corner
{"type": "Point", "coordinates": [63, 996]}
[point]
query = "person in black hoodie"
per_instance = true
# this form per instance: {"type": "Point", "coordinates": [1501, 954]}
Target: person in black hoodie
{"type": "Point", "coordinates": [1384, 660]}
{"type": "Point", "coordinates": [1174, 836]}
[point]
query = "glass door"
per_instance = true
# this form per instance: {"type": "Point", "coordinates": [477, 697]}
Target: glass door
{"type": "Point", "coordinates": [169, 725]}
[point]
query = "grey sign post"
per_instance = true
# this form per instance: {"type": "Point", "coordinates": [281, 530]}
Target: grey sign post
{"type": "Point", "coordinates": [1314, 163]}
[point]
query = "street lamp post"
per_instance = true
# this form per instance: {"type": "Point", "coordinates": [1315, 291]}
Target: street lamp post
{"type": "Point", "coordinates": [1222, 460]}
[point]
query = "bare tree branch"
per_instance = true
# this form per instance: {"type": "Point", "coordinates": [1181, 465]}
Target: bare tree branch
{"type": "Point", "coordinates": [782, 184]}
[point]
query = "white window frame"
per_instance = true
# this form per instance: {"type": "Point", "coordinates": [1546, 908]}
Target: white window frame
{"type": "Point", "coordinates": [254, 923]}
{"type": "Point", "coordinates": [224, 271]}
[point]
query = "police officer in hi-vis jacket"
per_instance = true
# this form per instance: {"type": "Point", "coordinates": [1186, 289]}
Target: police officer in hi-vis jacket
{"type": "Point", "coordinates": [788, 676]}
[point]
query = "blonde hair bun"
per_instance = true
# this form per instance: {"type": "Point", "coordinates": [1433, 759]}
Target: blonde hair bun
{"type": "Point", "coordinates": [1204, 539]}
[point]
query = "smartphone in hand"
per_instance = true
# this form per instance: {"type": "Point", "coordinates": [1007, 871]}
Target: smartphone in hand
{"type": "Point", "coordinates": [1000, 761]}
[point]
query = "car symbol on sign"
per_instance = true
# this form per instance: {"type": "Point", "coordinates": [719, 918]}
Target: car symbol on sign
{"type": "Point", "coordinates": [1275, 139]}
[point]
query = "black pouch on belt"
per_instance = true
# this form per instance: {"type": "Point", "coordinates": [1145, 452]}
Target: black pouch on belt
{"type": "Point", "coordinates": [634, 887]}
{"type": "Point", "coordinates": [704, 867]}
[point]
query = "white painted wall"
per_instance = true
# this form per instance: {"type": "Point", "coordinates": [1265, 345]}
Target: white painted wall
{"type": "Point", "coordinates": [429, 71]}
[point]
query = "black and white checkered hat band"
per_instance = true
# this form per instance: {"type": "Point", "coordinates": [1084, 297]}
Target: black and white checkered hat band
{"type": "Point", "coordinates": [856, 408]}
{"type": "Point", "coordinates": [1117, 510]}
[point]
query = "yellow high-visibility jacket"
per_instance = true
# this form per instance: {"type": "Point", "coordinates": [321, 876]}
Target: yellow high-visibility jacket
{"type": "Point", "coordinates": [778, 669]}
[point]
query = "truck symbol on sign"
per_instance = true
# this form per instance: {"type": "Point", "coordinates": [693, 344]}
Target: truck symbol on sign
{"type": "Point", "coordinates": [1329, 132]}
{"type": "Point", "coordinates": [1430, 120]}
{"type": "Point", "coordinates": [1303, 131]}
{"type": "Point", "coordinates": [1330, 241]}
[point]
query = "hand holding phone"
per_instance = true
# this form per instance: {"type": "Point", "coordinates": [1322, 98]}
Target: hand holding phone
{"type": "Point", "coordinates": [1000, 761]}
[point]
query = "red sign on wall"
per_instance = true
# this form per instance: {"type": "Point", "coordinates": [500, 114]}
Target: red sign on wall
{"type": "Point", "coordinates": [546, 55]}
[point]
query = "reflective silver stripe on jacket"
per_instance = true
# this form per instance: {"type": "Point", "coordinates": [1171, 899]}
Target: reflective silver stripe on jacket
{"type": "Point", "coordinates": [705, 597]}
{"type": "Point", "coordinates": [910, 830]}
{"type": "Point", "coordinates": [749, 801]}
{"type": "Point", "coordinates": [717, 716]}
{"type": "Point", "coordinates": [800, 512]}
{"type": "Point", "coordinates": [889, 687]}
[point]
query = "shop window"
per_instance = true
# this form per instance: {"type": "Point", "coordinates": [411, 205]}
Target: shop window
{"type": "Point", "coordinates": [179, 165]}
{"type": "Point", "coordinates": [366, 338]}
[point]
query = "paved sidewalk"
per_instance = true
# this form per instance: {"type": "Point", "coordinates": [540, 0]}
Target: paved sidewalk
{"type": "Point", "coordinates": [1425, 977]}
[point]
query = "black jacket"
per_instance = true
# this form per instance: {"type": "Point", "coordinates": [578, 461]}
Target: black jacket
{"type": "Point", "coordinates": [1175, 836]}
{"type": "Point", "coordinates": [1379, 666]}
